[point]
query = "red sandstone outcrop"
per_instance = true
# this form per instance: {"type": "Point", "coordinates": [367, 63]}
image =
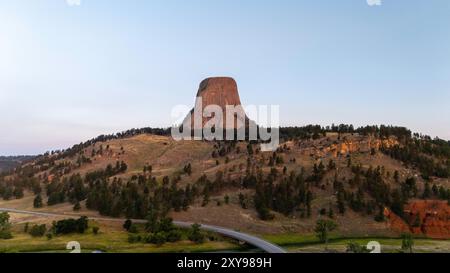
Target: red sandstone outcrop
{"type": "Point", "coordinates": [424, 217]}
{"type": "Point", "coordinates": [395, 222]}
{"type": "Point", "coordinates": [353, 144]}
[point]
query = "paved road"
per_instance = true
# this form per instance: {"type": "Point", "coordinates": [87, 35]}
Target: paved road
{"type": "Point", "coordinates": [249, 239]}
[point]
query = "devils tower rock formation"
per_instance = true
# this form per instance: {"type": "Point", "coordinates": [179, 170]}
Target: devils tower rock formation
{"type": "Point", "coordinates": [218, 92]}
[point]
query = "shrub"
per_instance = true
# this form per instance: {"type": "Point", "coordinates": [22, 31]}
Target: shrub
{"type": "Point", "coordinates": [264, 213]}
{"type": "Point", "coordinates": [165, 225]}
{"type": "Point", "coordinates": [25, 228]}
{"type": "Point", "coordinates": [5, 226]}
{"type": "Point", "coordinates": [174, 236]}
{"type": "Point", "coordinates": [353, 247]}
{"type": "Point", "coordinates": [5, 235]}
{"type": "Point", "coordinates": [133, 229]}
{"type": "Point", "coordinates": [95, 230]}
{"type": "Point", "coordinates": [196, 234]}
{"type": "Point", "coordinates": [38, 230]}
{"type": "Point", "coordinates": [37, 202]}
{"type": "Point", "coordinates": [77, 206]}
{"type": "Point", "coordinates": [68, 226]}
{"type": "Point", "coordinates": [407, 243]}
{"type": "Point", "coordinates": [127, 224]}
{"type": "Point", "coordinates": [158, 238]}
{"type": "Point", "coordinates": [134, 238]}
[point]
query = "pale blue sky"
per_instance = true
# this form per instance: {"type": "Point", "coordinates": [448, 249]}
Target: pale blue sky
{"type": "Point", "coordinates": [68, 74]}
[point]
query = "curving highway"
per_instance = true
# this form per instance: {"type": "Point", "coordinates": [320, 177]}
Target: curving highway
{"type": "Point", "coordinates": [243, 237]}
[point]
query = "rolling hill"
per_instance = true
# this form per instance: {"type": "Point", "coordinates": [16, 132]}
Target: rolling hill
{"type": "Point", "coordinates": [372, 181]}
{"type": "Point", "coordinates": [8, 163]}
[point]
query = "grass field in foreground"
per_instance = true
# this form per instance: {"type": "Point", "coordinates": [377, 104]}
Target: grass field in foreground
{"type": "Point", "coordinates": [310, 243]}
{"type": "Point", "coordinates": [110, 243]}
{"type": "Point", "coordinates": [108, 240]}
{"type": "Point", "coordinates": [114, 239]}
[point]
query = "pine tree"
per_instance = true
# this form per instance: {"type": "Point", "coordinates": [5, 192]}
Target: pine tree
{"type": "Point", "coordinates": [407, 242]}
{"type": "Point", "coordinates": [341, 201]}
{"type": "Point", "coordinates": [77, 206]}
{"type": "Point", "coordinates": [427, 191]}
{"type": "Point", "coordinates": [323, 229]}
{"type": "Point", "coordinates": [37, 203]}
{"type": "Point", "coordinates": [397, 176]}
{"type": "Point", "coordinates": [330, 212]}
{"type": "Point", "coordinates": [309, 197]}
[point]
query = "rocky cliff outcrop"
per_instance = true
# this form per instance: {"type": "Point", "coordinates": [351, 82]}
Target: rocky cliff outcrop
{"type": "Point", "coordinates": [423, 217]}
{"type": "Point", "coordinates": [348, 145]}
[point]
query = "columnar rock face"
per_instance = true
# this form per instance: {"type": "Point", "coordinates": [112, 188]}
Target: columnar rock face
{"type": "Point", "coordinates": [221, 92]}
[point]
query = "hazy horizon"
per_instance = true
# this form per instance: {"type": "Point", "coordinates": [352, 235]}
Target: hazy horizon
{"type": "Point", "coordinates": [69, 73]}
